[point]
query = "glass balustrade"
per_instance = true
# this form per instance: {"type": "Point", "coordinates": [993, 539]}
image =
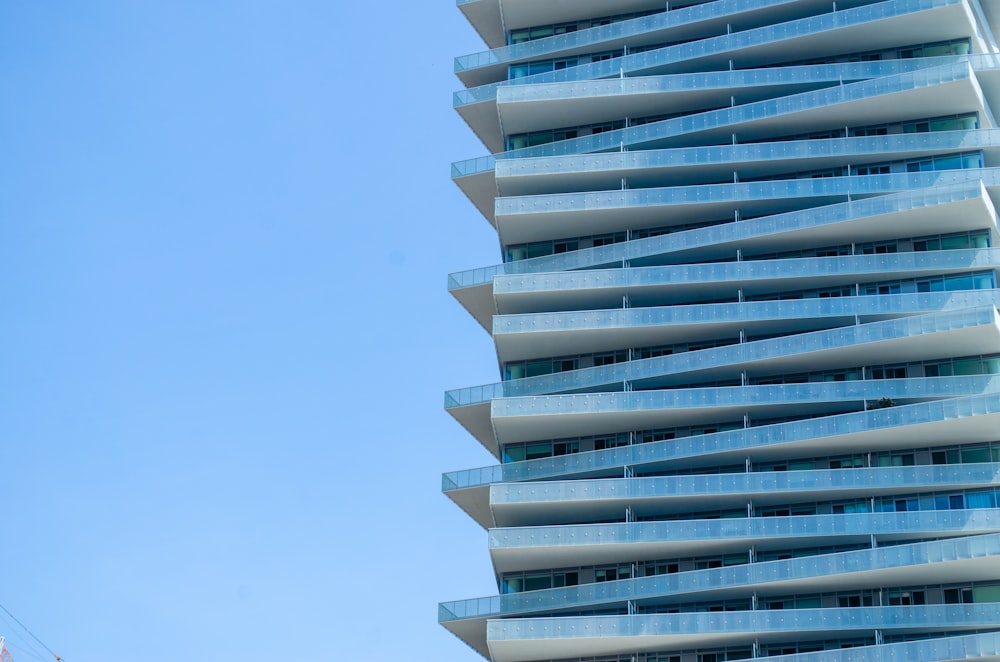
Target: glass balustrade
{"type": "Point", "coordinates": [737, 274]}
{"type": "Point", "coordinates": [749, 398]}
{"type": "Point", "coordinates": [698, 584]}
{"type": "Point", "coordinates": [692, 55]}
{"type": "Point", "coordinates": [731, 356]}
{"type": "Point", "coordinates": [661, 133]}
{"type": "Point", "coordinates": [750, 314]}
{"type": "Point", "coordinates": [899, 525]}
{"type": "Point", "coordinates": [621, 163]}
{"type": "Point", "coordinates": [701, 627]}
{"type": "Point", "coordinates": [718, 236]}
{"type": "Point", "coordinates": [733, 441]}
{"type": "Point", "coordinates": [712, 486]}
{"type": "Point", "coordinates": [628, 29]}
{"type": "Point", "coordinates": [619, 204]}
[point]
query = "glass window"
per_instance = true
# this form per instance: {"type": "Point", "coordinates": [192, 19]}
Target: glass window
{"type": "Point", "coordinates": [537, 368]}
{"type": "Point", "coordinates": [537, 582]}
{"type": "Point", "coordinates": [536, 451]}
{"type": "Point", "coordinates": [986, 594]}
{"type": "Point", "coordinates": [981, 500]}
{"type": "Point", "coordinates": [513, 454]}
{"type": "Point", "coordinates": [948, 163]}
{"type": "Point", "coordinates": [566, 448]}
{"type": "Point", "coordinates": [906, 598]}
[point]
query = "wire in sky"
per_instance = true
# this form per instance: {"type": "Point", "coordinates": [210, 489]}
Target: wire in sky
{"type": "Point", "coordinates": [20, 652]}
{"type": "Point", "coordinates": [24, 646]}
{"type": "Point", "coordinates": [32, 634]}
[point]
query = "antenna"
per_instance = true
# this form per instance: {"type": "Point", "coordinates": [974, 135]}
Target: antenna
{"type": "Point", "coordinates": [4, 653]}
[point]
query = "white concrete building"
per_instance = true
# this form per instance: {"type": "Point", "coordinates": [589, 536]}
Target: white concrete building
{"type": "Point", "coordinates": [746, 321]}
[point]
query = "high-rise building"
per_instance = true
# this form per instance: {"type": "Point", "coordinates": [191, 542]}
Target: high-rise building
{"type": "Point", "coordinates": [746, 322]}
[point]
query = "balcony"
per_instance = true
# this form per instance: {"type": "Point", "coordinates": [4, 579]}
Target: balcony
{"type": "Point", "coordinates": [519, 640]}
{"type": "Point", "coordinates": [906, 214]}
{"type": "Point", "coordinates": [961, 560]}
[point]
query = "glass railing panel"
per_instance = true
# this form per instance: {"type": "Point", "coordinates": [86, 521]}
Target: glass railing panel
{"type": "Point", "coordinates": [681, 586]}
{"type": "Point", "coordinates": [473, 166]}
{"type": "Point", "coordinates": [665, 488]}
{"type": "Point", "coordinates": [688, 125]}
{"type": "Point", "coordinates": [458, 480]}
{"type": "Point", "coordinates": [785, 76]}
{"type": "Point", "coordinates": [539, 48]}
{"type": "Point", "coordinates": [750, 398]}
{"type": "Point", "coordinates": [712, 47]}
{"type": "Point", "coordinates": [920, 524]}
{"type": "Point", "coordinates": [463, 609]}
{"type": "Point", "coordinates": [633, 137]}
{"type": "Point", "coordinates": [748, 623]}
{"type": "Point", "coordinates": [941, 649]}
{"type": "Point", "coordinates": [684, 157]}
{"type": "Point", "coordinates": [728, 355]}
{"type": "Point", "coordinates": [616, 254]}
{"type": "Point", "coordinates": [854, 266]}
{"type": "Point", "coordinates": [750, 312]}
{"type": "Point", "coordinates": [736, 440]}
{"type": "Point", "coordinates": [712, 194]}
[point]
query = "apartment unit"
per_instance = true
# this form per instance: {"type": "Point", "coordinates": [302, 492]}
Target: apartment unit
{"type": "Point", "coordinates": [745, 315]}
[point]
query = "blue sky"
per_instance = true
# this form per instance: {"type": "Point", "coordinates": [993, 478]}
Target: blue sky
{"type": "Point", "coordinates": [225, 230]}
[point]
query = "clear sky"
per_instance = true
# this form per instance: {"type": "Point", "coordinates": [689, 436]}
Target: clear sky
{"type": "Point", "coordinates": [225, 232]}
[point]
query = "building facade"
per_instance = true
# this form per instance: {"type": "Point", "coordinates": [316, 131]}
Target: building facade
{"type": "Point", "coordinates": [746, 322]}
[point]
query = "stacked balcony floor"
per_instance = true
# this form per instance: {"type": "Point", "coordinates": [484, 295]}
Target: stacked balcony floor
{"type": "Point", "coordinates": [746, 319]}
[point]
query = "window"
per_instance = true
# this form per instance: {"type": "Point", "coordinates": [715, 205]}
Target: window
{"type": "Point", "coordinates": [540, 67]}
{"type": "Point", "coordinates": [906, 598]}
{"type": "Point", "coordinates": [610, 358]}
{"type": "Point", "coordinates": [957, 596]}
{"type": "Point", "coordinates": [880, 248]}
{"type": "Point", "coordinates": [896, 460]}
{"type": "Point", "coordinates": [565, 448]}
{"type": "Point", "coordinates": [847, 463]}
{"type": "Point", "coordinates": [874, 170]}
{"type": "Point", "coordinates": [973, 281]}
{"type": "Point", "coordinates": [538, 581]}
{"type": "Point", "coordinates": [881, 289]}
{"type": "Point", "coordinates": [612, 574]}
{"type": "Point", "coordinates": [871, 131]}
{"type": "Point", "coordinates": [538, 450]}
{"type": "Point", "coordinates": [851, 507]}
{"type": "Point", "coordinates": [856, 600]}
{"type": "Point", "coordinates": [601, 57]}
{"type": "Point", "coordinates": [952, 242]}
{"type": "Point", "coordinates": [964, 123]}
{"type": "Point", "coordinates": [602, 443]}
{"type": "Point", "coordinates": [945, 457]}
{"type": "Point", "coordinates": [986, 593]}
{"type": "Point", "coordinates": [652, 568]}
{"type": "Point", "coordinates": [609, 126]}
{"type": "Point", "coordinates": [835, 292]}
{"type": "Point", "coordinates": [889, 373]}
{"type": "Point", "coordinates": [541, 249]}
{"type": "Point", "coordinates": [523, 369]}
{"type": "Point", "coordinates": [530, 34]}
{"type": "Point", "coordinates": [524, 140]}
{"type": "Point", "coordinates": [981, 454]}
